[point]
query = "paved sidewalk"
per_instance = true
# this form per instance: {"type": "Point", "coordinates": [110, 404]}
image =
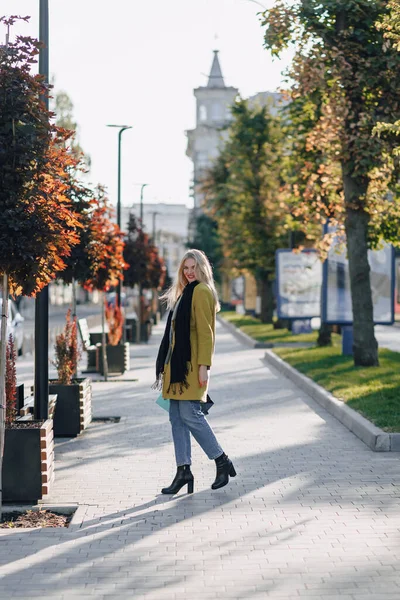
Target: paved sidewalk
{"type": "Point", "coordinates": [313, 513]}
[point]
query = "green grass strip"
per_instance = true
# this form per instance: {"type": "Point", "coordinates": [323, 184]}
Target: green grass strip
{"type": "Point", "coordinates": [374, 392]}
{"type": "Point", "coordinates": [263, 332]}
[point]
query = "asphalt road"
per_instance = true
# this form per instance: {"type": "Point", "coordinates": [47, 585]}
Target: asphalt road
{"type": "Point", "coordinates": [57, 315]}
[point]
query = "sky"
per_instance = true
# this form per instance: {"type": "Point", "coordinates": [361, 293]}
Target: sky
{"type": "Point", "coordinates": [136, 62]}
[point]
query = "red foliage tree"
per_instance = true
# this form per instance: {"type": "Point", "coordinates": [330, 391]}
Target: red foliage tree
{"type": "Point", "coordinates": [145, 266]}
{"type": "Point", "coordinates": [38, 225]}
{"type": "Point", "coordinates": [105, 247]}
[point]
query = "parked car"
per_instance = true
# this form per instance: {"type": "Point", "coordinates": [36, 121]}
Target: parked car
{"type": "Point", "coordinates": [15, 325]}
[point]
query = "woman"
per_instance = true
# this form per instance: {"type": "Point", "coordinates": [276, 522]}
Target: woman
{"type": "Point", "coordinates": [183, 363]}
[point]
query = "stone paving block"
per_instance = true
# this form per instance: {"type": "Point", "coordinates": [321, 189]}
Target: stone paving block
{"type": "Point", "coordinates": [313, 513]}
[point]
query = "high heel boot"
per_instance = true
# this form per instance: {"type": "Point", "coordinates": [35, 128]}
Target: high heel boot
{"type": "Point", "coordinates": [183, 476]}
{"type": "Point", "coordinates": [225, 469]}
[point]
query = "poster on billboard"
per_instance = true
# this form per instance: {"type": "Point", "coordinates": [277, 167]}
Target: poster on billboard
{"type": "Point", "coordinates": [336, 295]}
{"type": "Point", "coordinates": [299, 281]}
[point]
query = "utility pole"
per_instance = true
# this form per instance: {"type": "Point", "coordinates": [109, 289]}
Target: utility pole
{"type": "Point", "coordinates": [141, 203]}
{"type": "Point", "coordinates": [41, 388]}
{"type": "Point", "coordinates": [141, 302]}
{"type": "Point", "coordinates": [121, 128]}
{"type": "Point", "coordinates": [155, 213]}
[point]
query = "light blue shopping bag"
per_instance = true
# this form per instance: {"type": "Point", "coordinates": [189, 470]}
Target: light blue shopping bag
{"type": "Point", "coordinates": [164, 403]}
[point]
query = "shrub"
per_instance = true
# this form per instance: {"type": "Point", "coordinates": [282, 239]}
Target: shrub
{"type": "Point", "coordinates": [115, 322]}
{"type": "Point", "coordinates": [11, 381]}
{"type": "Point", "coordinates": [67, 351]}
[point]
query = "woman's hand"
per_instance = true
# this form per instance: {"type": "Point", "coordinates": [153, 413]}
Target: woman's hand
{"type": "Point", "coordinates": [203, 376]}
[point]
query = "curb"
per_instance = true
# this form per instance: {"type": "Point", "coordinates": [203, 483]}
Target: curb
{"type": "Point", "coordinates": [374, 437]}
{"type": "Point", "coordinates": [241, 336]}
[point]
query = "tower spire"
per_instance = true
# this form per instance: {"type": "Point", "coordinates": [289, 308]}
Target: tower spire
{"type": "Point", "coordinates": [215, 79]}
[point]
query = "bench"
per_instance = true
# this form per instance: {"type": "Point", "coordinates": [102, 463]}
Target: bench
{"type": "Point", "coordinates": [25, 412]}
{"type": "Point", "coordinates": [87, 346]}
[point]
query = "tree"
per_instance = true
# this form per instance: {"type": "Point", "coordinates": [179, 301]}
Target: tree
{"type": "Point", "coordinates": [38, 225]}
{"type": "Point", "coordinates": [81, 196]}
{"type": "Point", "coordinates": [104, 256]}
{"type": "Point", "coordinates": [243, 194]}
{"type": "Point", "coordinates": [349, 82]}
{"type": "Point", "coordinates": [85, 258]}
{"type": "Point", "coordinates": [64, 111]}
{"type": "Point", "coordinates": [145, 265]}
{"type": "Point", "coordinates": [390, 26]}
{"type": "Point", "coordinates": [206, 238]}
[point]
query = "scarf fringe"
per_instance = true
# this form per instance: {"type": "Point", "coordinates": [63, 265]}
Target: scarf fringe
{"type": "Point", "coordinates": [182, 386]}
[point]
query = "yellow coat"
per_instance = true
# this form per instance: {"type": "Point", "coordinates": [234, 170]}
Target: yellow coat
{"type": "Point", "coordinates": [202, 340]}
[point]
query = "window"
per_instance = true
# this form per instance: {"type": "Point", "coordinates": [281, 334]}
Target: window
{"type": "Point", "coordinates": [217, 112]}
{"type": "Point", "coordinates": [202, 113]}
{"type": "Point", "coordinates": [202, 159]}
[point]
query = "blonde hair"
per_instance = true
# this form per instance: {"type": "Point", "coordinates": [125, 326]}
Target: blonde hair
{"type": "Point", "coordinates": [203, 272]}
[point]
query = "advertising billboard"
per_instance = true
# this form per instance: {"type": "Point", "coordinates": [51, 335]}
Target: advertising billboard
{"type": "Point", "coordinates": [299, 281]}
{"type": "Point", "coordinates": [336, 296]}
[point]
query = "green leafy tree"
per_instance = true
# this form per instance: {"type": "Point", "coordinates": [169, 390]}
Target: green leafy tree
{"type": "Point", "coordinates": [390, 26]}
{"type": "Point", "coordinates": [64, 111]}
{"type": "Point", "coordinates": [243, 194]}
{"type": "Point", "coordinates": [206, 237]}
{"type": "Point", "coordinates": [348, 81]}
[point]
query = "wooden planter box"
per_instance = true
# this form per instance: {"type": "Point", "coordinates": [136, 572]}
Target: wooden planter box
{"type": "Point", "coordinates": [73, 411]}
{"type": "Point", "coordinates": [117, 358]}
{"type": "Point", "coordinates": [28, 463]}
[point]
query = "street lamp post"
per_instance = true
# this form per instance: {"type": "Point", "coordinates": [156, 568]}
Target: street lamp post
{"type": "Point", "coordinates": [139, 336]}
{"type": "Point", "coordinates": [122, 128]}
{"type": "Point", "coordinates": [141, 203]}
{"type": "Point", "coordinates": [155, 213]}
{"type": "Point", "coordinates": [41, 388]}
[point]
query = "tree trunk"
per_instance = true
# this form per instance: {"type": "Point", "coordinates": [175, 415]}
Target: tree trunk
{"type": "Point", "coordinates": [324, 335]}
{"type": "Point", "coordinates": [139, 316]}
{"type": "Point", "coordinates": [75, 374]}
{"type": "Point", "coordinates": [3, 348]}
{"type": "Point", "coordinates": [365, 347]}
{"type": "Point", "coordinates": [325, 332]}
{"type": "Point", "coordinates": [267, 299]}
{"type": "Point", "coordinates": [103, 339]}
{"type": "Point", "coordinates": [73, 297]}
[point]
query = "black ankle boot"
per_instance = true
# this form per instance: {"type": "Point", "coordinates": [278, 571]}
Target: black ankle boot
{"type": "Point", "coordinates": [225, 469]}
{"type": "Point", "coordinates": [183, 476]}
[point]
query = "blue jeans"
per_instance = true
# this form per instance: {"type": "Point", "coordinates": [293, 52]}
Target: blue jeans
{"type": "Point", "coordinates": [187, 418]}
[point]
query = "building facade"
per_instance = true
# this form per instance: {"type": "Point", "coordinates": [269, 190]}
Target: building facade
{"type": "Point", "coordinates": [167, 225]}
{"type": "Point", "coordinates": [213, 104]}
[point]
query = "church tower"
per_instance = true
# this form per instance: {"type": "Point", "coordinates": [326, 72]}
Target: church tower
{"type": "Point", "coordinates": [212, 114]}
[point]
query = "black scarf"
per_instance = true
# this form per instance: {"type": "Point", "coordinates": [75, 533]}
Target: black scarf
{"type": "Point", "coordinates": [181, 355]}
